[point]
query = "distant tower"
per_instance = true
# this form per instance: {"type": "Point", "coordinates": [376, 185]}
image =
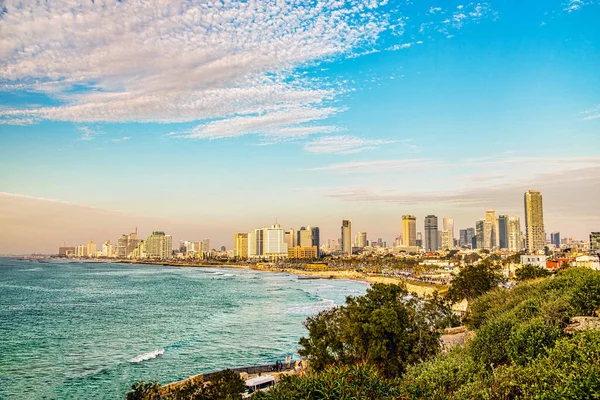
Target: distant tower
{"type": "Point", "coordinates": [503, 231]}
{"type": "Point", "coordinates": [534, 221]}
{"type": "Point", "coordinates": [491, 230]}
{"type": "Point", "coordinates": [431, 233]}
{"type": "Point", "coordinates": [347, 236]}
{"type": "Point", "coordinates": [409, 230]}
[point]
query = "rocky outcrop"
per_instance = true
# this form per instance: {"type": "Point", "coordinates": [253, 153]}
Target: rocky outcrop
{"type": "Point", "coordinates": [458, 336]}
{"type": "Point", "coordinates": [579, 324]}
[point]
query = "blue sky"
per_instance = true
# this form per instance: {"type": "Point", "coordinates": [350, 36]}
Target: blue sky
{"type": "Point", "coordinates": [205, 119]}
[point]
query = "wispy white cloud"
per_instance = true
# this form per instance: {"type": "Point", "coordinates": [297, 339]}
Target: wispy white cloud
{"type": "Point", "coordinates": [379, 166]}
{"type": "Point", "coordinates": [121, 139]}
{"type": "Point", "coordinates": [88, 133]}
{"type": "Point", "coordinates": [342, 144]}
{"type": "Point", "coordinates": [593, 113]}
{"type": "Point", "coordinates": [574, 5]}
{"type": "Point", "coordinates": [185, 61]}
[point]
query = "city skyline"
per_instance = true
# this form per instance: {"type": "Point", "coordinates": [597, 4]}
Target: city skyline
{"type": "Point", "coordinates": [365, 111]}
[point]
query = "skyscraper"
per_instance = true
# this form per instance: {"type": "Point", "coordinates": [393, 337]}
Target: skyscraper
{"type": "Point", "coordinates": [513, 232]}
{"type": "Point", "coordinates": [431, 233]}
{"type": "Point", "coordinates": [159, 245]}
{"type": "Point", "coordinates": [361, 239]}
{"type": "Point", "coordinates": [347, 236]}
{"type": "Point", "coordinates": [555, 239]}
{"type": "Point", "coordinates": [491, 232]}
{"type": "Point", "coordinates": [240, 245]}
{"type": "Point", "coordinates": [503, 231]}
{"type": "Point", "coordinates": [534, 221]}
{"type": "Point", "coordinates": [595, 241]}
{"type": "Point", "coordinates": [316, 239]}
{"type": "Point", "coordinates": [409, 230]}
{"type": "Point", "coordinates": [274, 245]}
{"type": "Point", "coordinates": [127, 244]}
{"type": "Point", "coordinates": [480, 234]}
{"type": "Point", "coordinates": [291, 238]}
{"type": "Point", "coordinates": [304, 237]}
{"type": "Point", "coordinates": [466, 237]}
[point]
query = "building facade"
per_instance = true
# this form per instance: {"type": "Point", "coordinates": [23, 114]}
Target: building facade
{"type": "Point", "coordinates": [240, 245]}
{"type": "Point", "coordinates": [159, 246]}
{"type": "Point", "coordinates": [347, 236]}
{"type": "Point", "coordinates": [431, 233]}
{"type": "Point", "coordinates": [513, 231]}
{"type": "Point", "coordinates": [534, 221]}
{"type": "Point", "coordinates": [595, 241]}
{"type": "Point", "coordinates": [409, 230]}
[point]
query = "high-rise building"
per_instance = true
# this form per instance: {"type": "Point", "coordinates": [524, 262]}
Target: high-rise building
{"type": "Point", "coordinates": [419, 239]}
{"type": "Point", "coordinates": [361, 239]}
{"type": "Point", "coordinates": [595, 241]}
{"type": "Point", "coordinates": [305, 237]}
{"type": "Point", "coordinates": [346, 236]}
{"type": "Point", "coordinates": [275, 247]}
{"type": "Point", "coordinates": [127, 244]}
{"type": "Point", "coordinates": [409, 230]}
{"type": "Point", "coordinates": [431, 233]}
{"type": "Point", "coordinates": [240, 245]}
{"type": "Point", "coordinates": [480, 234]}
{"type": "Point", "coordinates": [448, 225]}
{"type": "Point", "coordinates": [66, 251]}
{"type": "Point", "coordinates": [91, 249]}
{"type": "Point", "coordinates": [205, 245]}
{"type": "Point", "coordinates": [290, 237]}
{"type": "Point", "coordinates": [534, 221]}
{"type": "Point", "coordinates": [503, 231]}
{"type": "Point", "coordinates": [466, 237]}
{"type": "Point", "coordinates": [316, 239]}
{"type": "Point", "coordinates": [555, 239]}
{"type": "Point", "coordinates": [159, 245]}
{"type": "Point", "coordinates": [447, 240]}
{"type": "Point", "coordinates": [513, 232]}
{"type": "Point", "coordinates": [491, 232]}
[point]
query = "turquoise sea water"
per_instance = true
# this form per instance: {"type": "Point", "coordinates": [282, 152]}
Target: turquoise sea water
{"type": "Point", "coordinates": [89, 330]}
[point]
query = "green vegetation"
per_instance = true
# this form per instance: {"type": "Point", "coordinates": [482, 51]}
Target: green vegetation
{"type": "Point", "coordinates": [386, 328]}
{"type": "Point", "coordinates": [384, 345]}
{"type": "Point", "coordinates": [348, 382]}
{"type": "Point", "coordinates": [223, 385]}
{"type": "Point", "coordinates": [519, 349]}
{"type": "Point", "coordinates": [527, 272]}
{"type": "Point", "coordinates": [474, 280]}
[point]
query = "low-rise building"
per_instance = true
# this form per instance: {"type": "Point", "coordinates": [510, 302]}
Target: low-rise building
{"type": "Point", "coordinates": [306, 253]}
{"type": "Point", "coordinates": [535, 260]}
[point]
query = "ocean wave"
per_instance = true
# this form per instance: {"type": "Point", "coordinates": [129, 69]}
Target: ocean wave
{"type": "Point", "coordinates": [311, 308]}
{"type": "Point", "coordinates": [147, 356]}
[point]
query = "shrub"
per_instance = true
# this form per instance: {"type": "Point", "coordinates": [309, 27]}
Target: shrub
{"type": "Point", "coordinates": [488, 348]}
{"type": "Point", "coordinates": [346, 382]}
{"type": "Point", "coordinates": [531, 340]}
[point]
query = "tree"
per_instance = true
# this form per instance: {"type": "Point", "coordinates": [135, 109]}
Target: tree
{"type": "Point", "coordinates": [144, 390]}
{"type": "Point", "coordinates": [386, 328]}
{"type": "Point", "coordinates": [527, 272]}
{"type": "Point", "coordinates": [474, 280]}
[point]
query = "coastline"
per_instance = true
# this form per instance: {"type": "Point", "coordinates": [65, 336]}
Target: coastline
{"type": "Point", "coordinates": [420, 289]}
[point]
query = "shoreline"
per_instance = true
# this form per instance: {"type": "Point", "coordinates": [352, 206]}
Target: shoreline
{"type": "Point", "coordinates": [421, 289]}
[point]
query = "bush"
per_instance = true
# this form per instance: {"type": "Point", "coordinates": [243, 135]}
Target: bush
{"type": "Point", "coordinates": [144, 390]}
{"type": "Point", "coordinates": [488, 348]}
{"type": "Point", "coordinates": [531, 340]}
{"type": "Point", "coordinates": [347, 382]}
{"type": "Point", "coordinates": [527, 272]}
{"type": "Point", "coordinates": [441, 376]}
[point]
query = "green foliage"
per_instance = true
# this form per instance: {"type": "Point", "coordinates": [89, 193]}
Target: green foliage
{"type": "Point", "coordinates": [144, 390]}
{"type": "Point", "coordinates": [571, 370]}
{"type": "Point", "coordinates": [440, 377]}
{"type": "Point", "coordinates": [474, 280]}
{"type": "Point", "coordinates": [489, 348]}
{"type": "Point", "coordinates": [345, 382]}
{"type": "Point", "coordinates": [527, 272]}
{"type": "Point", "coordinates": [386, 328]}
{"type": "Point", "coordinates": [531, 340]}
{"type": "Point", "coordinates": [223, 385]}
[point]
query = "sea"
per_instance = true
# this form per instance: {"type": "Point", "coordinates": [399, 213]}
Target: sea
{"type": "Point", "coordinates": [88, 330]}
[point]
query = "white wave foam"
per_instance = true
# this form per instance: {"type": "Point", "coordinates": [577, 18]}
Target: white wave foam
{"type": "Point", "coordinates": [311, 308]}
{"type": "Point", "coordinates": [147, 356]}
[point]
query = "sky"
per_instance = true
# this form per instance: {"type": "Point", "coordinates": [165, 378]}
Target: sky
{"type": "Point", "coordinates": [206, 118]}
